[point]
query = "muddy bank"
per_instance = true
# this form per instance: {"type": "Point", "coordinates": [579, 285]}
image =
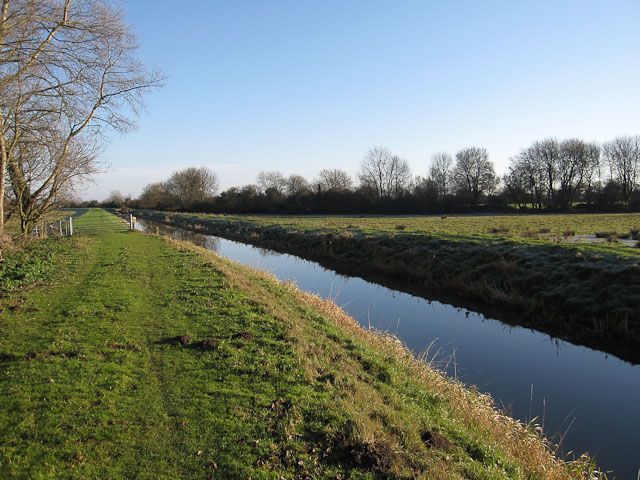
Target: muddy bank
{"type": "Point", "coordinates": [586, 298]}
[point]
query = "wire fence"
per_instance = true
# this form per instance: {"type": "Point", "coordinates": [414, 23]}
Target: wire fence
{"type": "Point", "coordinates": [59, 228]}
{"type": "Point", "coordinates": [84, 225]}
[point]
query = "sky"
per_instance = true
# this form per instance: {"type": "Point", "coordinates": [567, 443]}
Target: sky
{"type": "Point", "coordinates": [303, 85]}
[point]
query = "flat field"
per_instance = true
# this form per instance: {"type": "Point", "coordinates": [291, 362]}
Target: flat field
{"type": "Point", "coordinates": [534, 228]}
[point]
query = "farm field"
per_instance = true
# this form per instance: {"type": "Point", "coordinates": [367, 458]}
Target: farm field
{"type": "Point", "coordinates": [129, 355]}
{"type": "Point", "coordinates": [553, 228]}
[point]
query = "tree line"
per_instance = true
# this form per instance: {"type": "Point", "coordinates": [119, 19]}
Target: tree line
{"type": "Point", "coordinates": [550, 175]}
{"type": "Point", "coordinates": [69, 75]}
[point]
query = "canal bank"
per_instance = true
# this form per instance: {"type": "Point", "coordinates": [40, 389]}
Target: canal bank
{"type": "Point", "coordinates": [581, 395]}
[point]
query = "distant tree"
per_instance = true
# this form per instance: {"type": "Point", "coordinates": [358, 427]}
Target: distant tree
{"type": "Point", "coordinates": [525, 181]}
{"type": "Point", "coordinates": [474, 174]}
{"type": "Point", "coordinates": [192, 185]}
{"type": "Point", "coordinates": [546, 154]}
{"type": "Point", "coordinates": [576, 164]}
{"type": "Point", "coordinates": [427, 191]}
{"type": "Point", "coordinates": [154, 195]}
{"type": "Point", "coordinates": [334, 180]}
{"type": "Point", "coordinates": [296, 185]}
{"type": "Point", "coordinates": [440, 170]}
{"type": "Point", "coordinates": [400, 174]}
{"type": "Point", "coordinates": [622, 154]}
{"type": "Point", "coordinates": [272, 180]}
{"type": "Point", "coordinates": [384, 174]}
{"type": "Point", "coordinates": [115, 199]}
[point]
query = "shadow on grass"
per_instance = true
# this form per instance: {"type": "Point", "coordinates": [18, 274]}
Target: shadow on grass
{"type": "Point", "coordinates": [187, 342]}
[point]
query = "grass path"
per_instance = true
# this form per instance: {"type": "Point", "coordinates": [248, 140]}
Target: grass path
{"type": "Point", "coordinates": [140, 358]}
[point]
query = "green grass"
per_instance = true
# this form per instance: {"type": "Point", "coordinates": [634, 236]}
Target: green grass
{"type": "Point", "coordinates": [131, 356]}
{"type": "Point", "coordinates": [535, 229]}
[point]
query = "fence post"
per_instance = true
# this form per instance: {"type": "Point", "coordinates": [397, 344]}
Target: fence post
{"type": "Point", "coordinates": [60, 227]}
{"type": "Point", "coordinates": [71, 226]}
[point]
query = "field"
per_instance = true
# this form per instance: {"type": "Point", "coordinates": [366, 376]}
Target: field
{"type": "Point", "coordinates": [126, 355]}
{"type": "Point", "coordinates": [533, 228]}
{"type": "Point", "coordinates": [586, 293]}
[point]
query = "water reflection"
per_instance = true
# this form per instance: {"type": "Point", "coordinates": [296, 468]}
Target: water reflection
{"type": "Point", "coordinates": [587, 399]}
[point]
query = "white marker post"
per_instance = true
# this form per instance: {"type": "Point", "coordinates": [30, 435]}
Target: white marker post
{"type": "Point", "coordinates": [71, 226]}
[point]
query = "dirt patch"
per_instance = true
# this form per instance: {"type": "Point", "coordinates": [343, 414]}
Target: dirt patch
{"type": "Point", "coordinates": [372, 456]}
{"type": "Point", "coordinates": [436, 440]}
{"type": "Point", "coordinates": [204, 345]}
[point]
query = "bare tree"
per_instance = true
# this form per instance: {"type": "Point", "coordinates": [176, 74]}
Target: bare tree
{"type": "Point", "coordinates": [547, 155]}
{"type": "Point", "coordinates": [334, 180]}
{"type": "Point", "coordinates": [192, 185]}
{"type": "Point", "coordinates": [69, 71]}
{"type": "Point", "coordinates": [474, 174]}
{"type": "Point", "coordinates": [577, 161]}
{"type": "Point", "coordinates": [440, 172]}
{"type": "Point", "coordinates": [526, 178]}
{"type": "Point", "coordinates": [374, 169]}
{"type": "Point", "coordinates": [400, 176]}
{"type": "Point", "coordinates": [272, 180]}
{"type": "Point", "coordinates": [296, 185]}
{"type": "Point", "coordinates": [623, 157]}
{"type": "Point", "coordinates": [115, 198]}
{"type": "Point", "coordinates": [384, 174]}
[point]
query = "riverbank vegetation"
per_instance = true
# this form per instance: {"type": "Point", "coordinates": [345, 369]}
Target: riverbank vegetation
{"type": "Point", "coordinates": [528, 274]}
{"type": "Point", "coordinates": [134, 356]}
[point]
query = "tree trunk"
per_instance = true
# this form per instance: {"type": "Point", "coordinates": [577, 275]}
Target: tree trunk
{"type": "Point", "coordinates": [3, 157]}
{"type": "Point", "coordinates": [3, 173]}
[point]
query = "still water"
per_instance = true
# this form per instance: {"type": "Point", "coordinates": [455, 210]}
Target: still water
{"type": "Point", "coordinates": [588, 400]}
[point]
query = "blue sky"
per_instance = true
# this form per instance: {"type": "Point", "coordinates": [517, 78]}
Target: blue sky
{"type": "Point", "coordinates": [303, 85]}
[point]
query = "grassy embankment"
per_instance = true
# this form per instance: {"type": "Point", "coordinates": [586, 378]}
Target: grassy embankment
{"type": "Point", "coordinates": [589, 294]}
{"type": "Point", "coordinates": [124, 355]}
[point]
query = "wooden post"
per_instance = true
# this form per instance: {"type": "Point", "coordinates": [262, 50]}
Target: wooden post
{"type": "Point", "coordinates": [71, 226]}
{"type": "Point", "coordinates": [130, 221]}
{"type": "Point", "coordinates": [60, 227]}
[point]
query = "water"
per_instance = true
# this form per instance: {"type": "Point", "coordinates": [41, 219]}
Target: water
{"type": "Point", "coordinates": [586, 398]}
